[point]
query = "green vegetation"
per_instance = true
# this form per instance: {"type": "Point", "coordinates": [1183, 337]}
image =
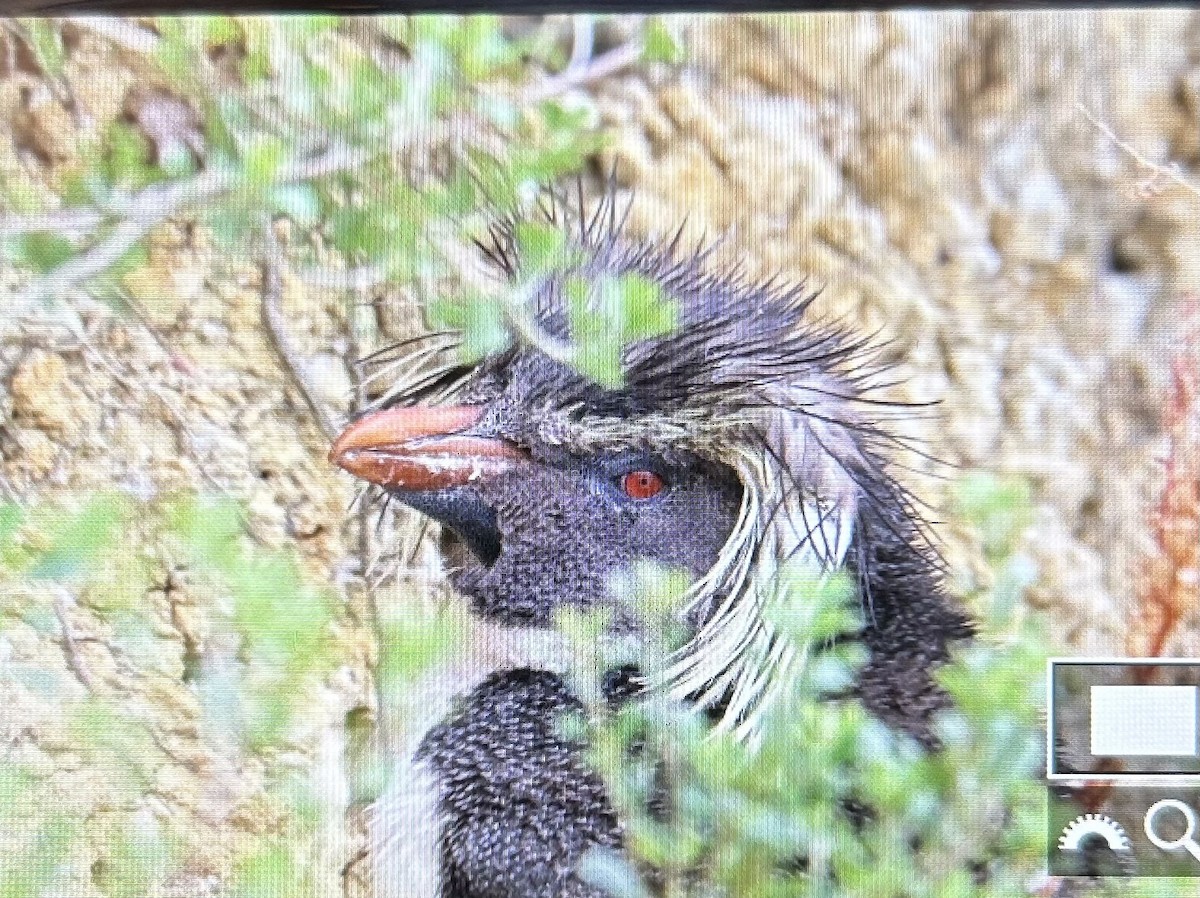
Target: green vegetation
{"type": "Point", "coordinates": [276, 624]}
{"type": "Point", "coordinates": [382, 142]}
{"type": "Point", "coordinates": [771, 821]}
{"type": "Point", "coordinates": [385, 145]}
{"type": "Point", "coordinates": [388, 141]}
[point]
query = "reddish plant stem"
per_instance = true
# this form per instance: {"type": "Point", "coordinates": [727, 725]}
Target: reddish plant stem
{"type": "Point", "coordinates": [1171, 586]}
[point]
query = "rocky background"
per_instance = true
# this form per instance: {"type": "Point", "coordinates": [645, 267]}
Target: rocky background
{"type": "Point", "coordinates": [1010, 198]}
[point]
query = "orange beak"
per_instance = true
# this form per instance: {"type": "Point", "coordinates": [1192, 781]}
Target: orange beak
{"type": "Point", "coordinates": [417, 449]}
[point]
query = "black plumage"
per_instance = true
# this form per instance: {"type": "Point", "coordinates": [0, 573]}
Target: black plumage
{"type": "Point", "coordinates": [518, 805]}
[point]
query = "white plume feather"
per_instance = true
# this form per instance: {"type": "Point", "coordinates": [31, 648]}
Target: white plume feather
{"type": "Point", "coordinates": [798, 510]}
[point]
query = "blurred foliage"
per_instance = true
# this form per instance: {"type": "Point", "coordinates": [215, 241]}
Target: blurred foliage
{"type": "Point", "coordinates": [388, 141]}
{"type": "Point", "coordinates": [388, 144]}
{"type": "Point", "coordinates": [605, 313]}
{"type": "Point", "coordinates": [392, 141]}
{"type": "Point", "coordinates": [268, 643]}
{"type": "Point", "coordinates": [831, 802]}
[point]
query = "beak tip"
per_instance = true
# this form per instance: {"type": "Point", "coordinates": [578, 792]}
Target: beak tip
{"type": "Point", "coordinates": [419, 449]}
{"type": "Point", "coordinates": [339, 450]}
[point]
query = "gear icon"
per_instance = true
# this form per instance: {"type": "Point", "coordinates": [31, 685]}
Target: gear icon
{"type": "Point", "coordinates": [1100, 825]}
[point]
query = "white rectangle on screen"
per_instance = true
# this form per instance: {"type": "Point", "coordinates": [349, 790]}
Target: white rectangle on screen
{"type": "Point", "coordinates": [1144, 720]}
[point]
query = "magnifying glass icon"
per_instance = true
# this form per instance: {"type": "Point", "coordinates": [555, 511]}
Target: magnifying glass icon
{"type": "Point", "coordinates": [1184, 841]}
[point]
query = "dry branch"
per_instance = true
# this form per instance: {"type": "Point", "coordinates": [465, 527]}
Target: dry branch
{"type": "Point", "coordinates": [155, 205]}
{"type": "Point", "coordinates": [285, 346]}
{"type": "Point", "coordinates": [581, 72]}
{"type": "Point", "coordinates": [1157, 171]}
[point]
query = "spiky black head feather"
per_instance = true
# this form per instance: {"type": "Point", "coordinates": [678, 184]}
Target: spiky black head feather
{"type": "Point", "coordinates": [751, 386]}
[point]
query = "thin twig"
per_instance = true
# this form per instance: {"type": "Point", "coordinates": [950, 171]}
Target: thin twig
{"type": "Point", "coordinates": [70, 644]}
{"type": "Point", "coordinates": [91, 263]}
{"type": "Point", "coordinates": [525, 324]}
{"type": "Point", "coordinates": [153, 387]}
{"type": "Point", "coordinates": [289, 353]}
{"type": "Point", "coordinates": [66, 221]}
{"type": "Point", "coordinates": [516, 303]}
{"type": "Point", "coordinates": [583, 42]}
{"type": "Point", "coordinates": [1170, 172]}
{"type": "Point", "coordinates": [156, 204]}
{"type": "Point", "coordinates": [599, 67]}
{"type": "Point", "coordinates": [354, 280]}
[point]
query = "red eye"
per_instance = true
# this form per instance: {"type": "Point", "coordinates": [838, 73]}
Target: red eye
{"type": "Point", "coordinates": [641, 484]}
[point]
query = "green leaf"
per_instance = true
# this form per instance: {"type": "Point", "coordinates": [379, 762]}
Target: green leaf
{"type": "Point", "coordinates": [20, 195]}
{"type": "Point", "coordinates": [210, 529]}
{"type": "Point", "coordinates": [11, 518]}
{"type": "Point", "coordinates": [409, 647]}
{"type": "Point", "coordinates": [543, 164]}
{"type": "Point", "coordinates": [601, 361]}
{"type": "Point", "coordinates": [81, 538]}
{"type": "Point", "coordinates": [655, 590]}
{"type": "Point", "coordinates": [455, 198]}
{"type": "Point", "coordinates": [659, 45]}
{"type": "Point", "coordinates": [497, 181]}
{"type": "Point", "coordinates": [541, 248]}
{"type": "Point", "coordinates": [273, 869]}
{"type": "Point", "coordinates": [229, 223]}
{"type": "Point", "coordinates": [87, 186]}
{"type": "Point", "coordinates": [137, 256]}
{"type": "Point", "coordinates": [564, 122]}
{"type": "Point", "coordinates": [485, 330]}
{"type": "Point", "coordinates": [312, 24]}
{"type": "Point", "coordinates": [610, 313]}
{"type": "Point", "coordinates": [262, 157]}
{"type": "Point", "coordinates": [368, 768]}
{"type": "Point", "coordinates": [128, 155]}
{"type": "Point", "coordinates": [224, 119]}
{"type": "Point", "coordinates": [46, 39]}
{"type": "Point", "coordinates": [174, 52]}
{"type": "Point", "coordinates": [372, 231]}
{"type": "Point", "coordinates": [220, 30]}
{"type": "Point", "coordinates": [1001, 507]}
{"type": "Point", "coordinates": [597, 348]}
{"type": "Point", "coordinates": [1013, 577]}
{"type": "Point", "coordinates": [38, 868]}
{"type": "Point", "coordinates": [481, 48]}
{"type": "Point", "coordinates": [257, 65]}
{"type": "Point", "coordinates": [298, 201]}
{"type": "Point", "coordinates": [645, 311]}
{"type": "Point", "coordinates": [42, 250]}
{"type": "Point", "coordinates": [480, 320]}
{"type": "Point", "coordinates": [368, 94]}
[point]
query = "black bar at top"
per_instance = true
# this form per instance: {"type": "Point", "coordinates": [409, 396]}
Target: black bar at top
{"type": "Point", "coordinates": [513, 7]}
